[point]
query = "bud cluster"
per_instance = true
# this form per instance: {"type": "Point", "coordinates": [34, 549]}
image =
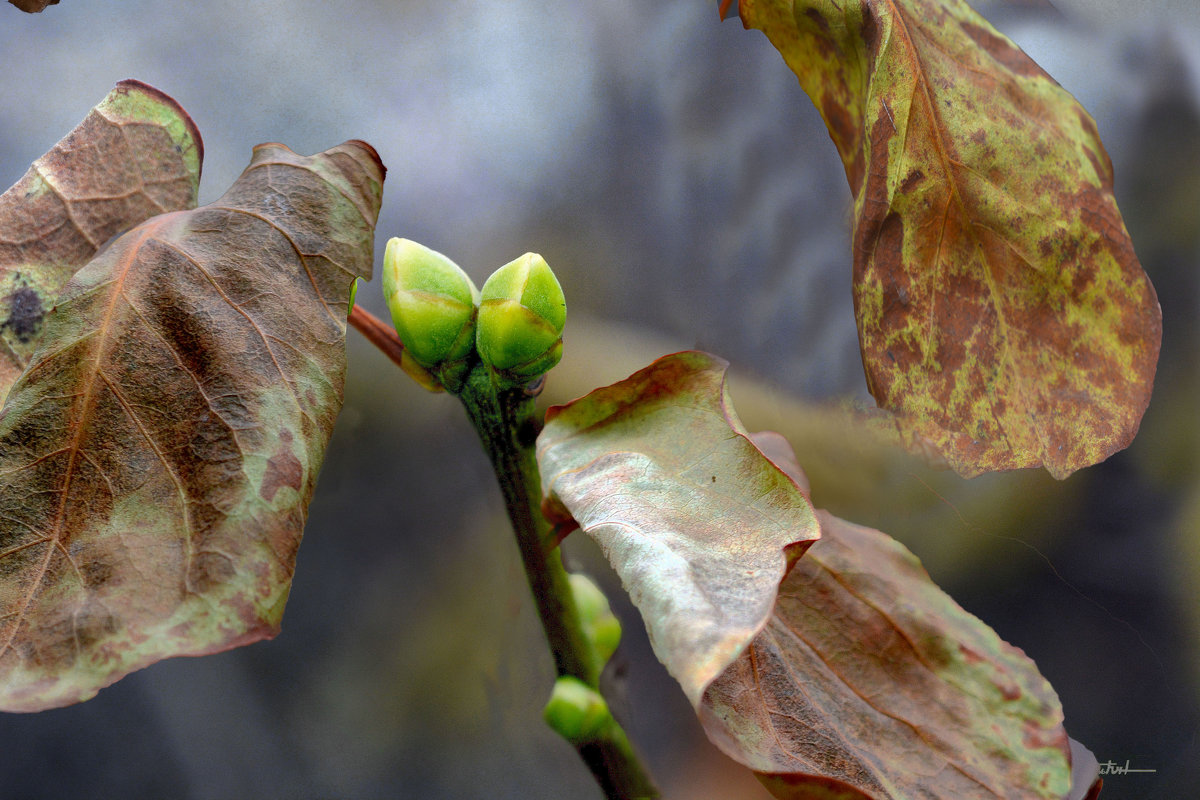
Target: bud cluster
{"type": "Point", "coordinates": [514, 326]}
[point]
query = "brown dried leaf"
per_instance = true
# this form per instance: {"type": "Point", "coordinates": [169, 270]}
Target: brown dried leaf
{"type": "Point", "coordinates": [135, 155]}
{"type": "Point", "coordinates": [870, 682]}
{"type": "Point", "coordinates": [33, 6]}
{"type": "Point", "coordinates": [853, 676]}
{"type": "Point", "coordinates": [158, 455]}
{"type": "Point", "coordinates": [1002, 313]}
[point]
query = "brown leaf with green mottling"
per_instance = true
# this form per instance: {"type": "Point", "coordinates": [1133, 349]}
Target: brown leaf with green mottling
{"type": "Point", "coordinates": [869, 679]}
{"type": "Point", "coordinates": [158, 454]}
{"type": "Point", "coordinates": [1002, 313]}
{"type": "Point", "coordinates": [699, 524]}
{"type": "Point", "coordinates": [33, 6]}
{"type": "Point", "coordinates": [135, 155]}
{"type": "Point", "coordinates": [852, 676]}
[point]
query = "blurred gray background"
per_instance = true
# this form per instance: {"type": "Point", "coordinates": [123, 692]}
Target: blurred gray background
{"type": "Point", "coordinates": [671, 170]}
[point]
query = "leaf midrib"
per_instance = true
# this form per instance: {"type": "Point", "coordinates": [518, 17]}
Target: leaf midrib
{"type": "Point", "coordinates": [56, 538]}
{"type": "Point", "coordinates": [941, 145]}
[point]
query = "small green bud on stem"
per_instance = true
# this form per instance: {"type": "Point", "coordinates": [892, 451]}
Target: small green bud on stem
{"type": "Point", "coordinates": [521, 317]}
{"type": "Point", "coordinates": [433, 305]}
{"type": "Point", "coordinates": [600, 625]}
{"type": "Point", "coordinates": [577, 712]}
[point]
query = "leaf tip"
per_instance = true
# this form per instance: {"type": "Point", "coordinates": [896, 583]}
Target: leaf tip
{"type": "Point", "coordinates": [131, 85]}
{"type": "Point", "coordinates": [371, 154]}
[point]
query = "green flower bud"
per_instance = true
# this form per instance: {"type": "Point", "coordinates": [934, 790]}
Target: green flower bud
{"type": "Point", "coordinates": [577, 712]}
{"type": "Point", "coordinates": [600, 625]}
{"type": "Point", "coordinates": [433, 305]}
{"type": "Point", "coordinates": [521, 318]}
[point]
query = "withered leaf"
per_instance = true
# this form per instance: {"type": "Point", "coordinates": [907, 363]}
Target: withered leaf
{"type": "Point", "coordinates": [1002, 313]}
{"type": "Point", "coordinates": [699, 524]}
{"type": "Point", "coordinates": [158, 454]}
{"type": "Point", "coordinates": [870, 679]}
{"type": "Point", "coordinates": [33, 6]}
{"type": "Point", "coordinates": [135, 155]}
{"type": "Point", "coordinates": [852, 676]}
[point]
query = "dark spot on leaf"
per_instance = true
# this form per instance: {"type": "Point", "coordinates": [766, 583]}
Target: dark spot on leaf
{"type": "Point", "coordinates": [889, 249]}
{"type": "Point", "coordinates": [96, 572]}
{"type": "Point", "coordinates": [1003, 51]}
{"type": "Point", "coordinates": [1010, 691]}
{"type": "Point", "coordinates": [813, 24]}
{"type": "Point", "coordinates": [25, 314]}
{"type": "Point", "coordinates": [1037, 737]}
{"type": "Point", "coordinates": [283, 469]}
{"type": "Point", "coordinates": [209, 570]}
{"type": "Point", "coordinates": [816, 17]}
{"type": "Point", "coordinates": [187, 335]}
{"type": "Point", "coordinates": [870, 31]}
{"type": "Point", "coordinates": [913, 178]}
{"type": "Point", "coordinates": [1098, 156]}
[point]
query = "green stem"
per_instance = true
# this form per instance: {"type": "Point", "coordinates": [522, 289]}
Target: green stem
{"type": "Point", "coordinates": [507, 425]}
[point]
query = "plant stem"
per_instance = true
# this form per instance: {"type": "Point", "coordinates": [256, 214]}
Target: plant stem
{"type": "Point", "coordinates": [378, 333]}
{"type": "Point", "coordinates": [506, 422]}
{"type": "Point", "coordinates": [507, 425]}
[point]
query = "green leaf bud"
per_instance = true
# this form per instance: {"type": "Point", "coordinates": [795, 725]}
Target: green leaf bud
{"type": "Point", "coordinates": [433, 305]}
{"type": "Point", "coordinates": [600, 625]}
{"type": "Point", "coordinates": [353, 294]}
{"type": "Point", "coordinates": [577, 712]}
{"type": "Point", "coordinates": [521, 317]}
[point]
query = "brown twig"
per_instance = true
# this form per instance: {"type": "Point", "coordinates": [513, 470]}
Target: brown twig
{"type": "Point", "coordinates": [378, 333]}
